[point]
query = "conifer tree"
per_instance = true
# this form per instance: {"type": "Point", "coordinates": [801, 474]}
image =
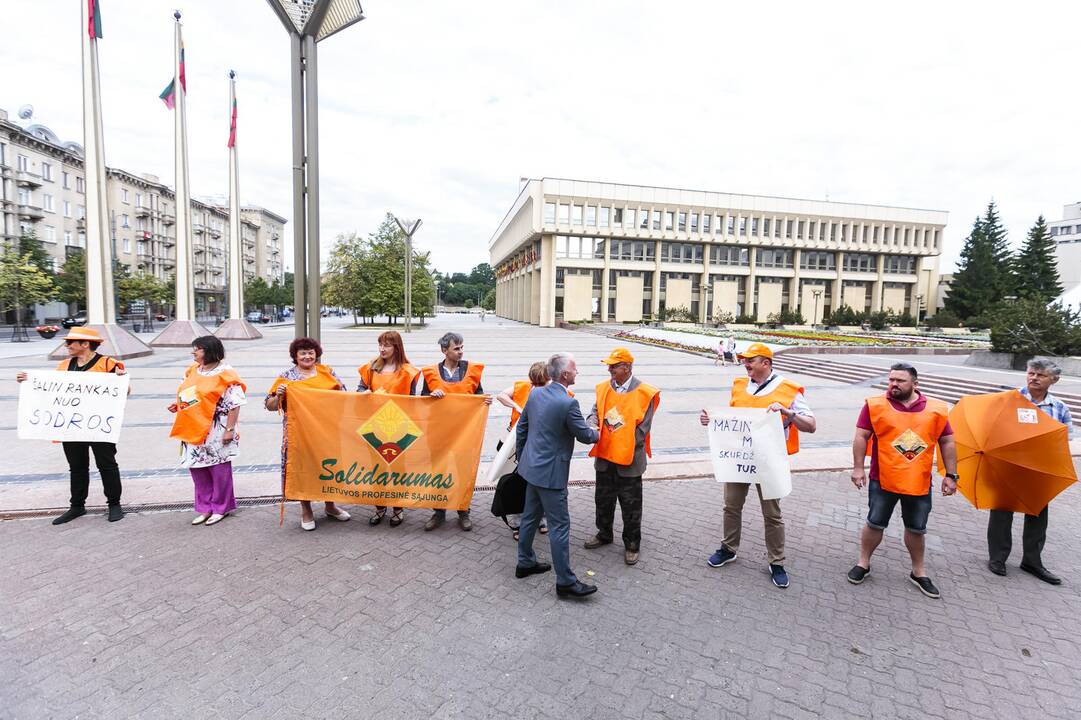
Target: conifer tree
{"type": "Point", "coordinates": [983, 274]}
{"type": "Point", "coordinates": [1035, 267]}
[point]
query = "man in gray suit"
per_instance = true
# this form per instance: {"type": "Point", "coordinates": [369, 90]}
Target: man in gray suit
{"type": "Point", "coordinates": [550, 423]}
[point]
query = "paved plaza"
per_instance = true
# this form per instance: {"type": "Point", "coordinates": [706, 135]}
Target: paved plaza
{"type": "Point", "coordinates": [151, 617]}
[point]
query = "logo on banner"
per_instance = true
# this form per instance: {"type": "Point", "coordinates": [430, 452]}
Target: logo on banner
{"type": "Point", "coordinates": [390, 432]}
{"type": "Point", "coordinates": [909, 444]}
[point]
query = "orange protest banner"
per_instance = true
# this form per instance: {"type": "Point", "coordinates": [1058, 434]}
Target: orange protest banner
{"type": "Point", "coordinates": [377, 449]}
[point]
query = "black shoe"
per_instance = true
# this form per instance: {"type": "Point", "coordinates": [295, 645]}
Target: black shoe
{"type": "Point", "coordinates": [115, 513]}
{"type": "Point", "coordinates": [1038, 571]}
{"type": "Point", "coordinates": [521, 571]}
{"type": "Point", "coordinates": [925, 585]}
{"type": "Point", "coordinates": [577, 589]}
{"type": "Point", "coordinates": [997, 567]}
{"type": "Point", "coordinates": [858, 574]}
{"type": "Point", "coordinates": [70, 515]}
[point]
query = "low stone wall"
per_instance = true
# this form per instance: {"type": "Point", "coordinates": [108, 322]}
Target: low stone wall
{"type": "Point", "coordinates": [1010, 361]}
{"type": "Point", "coordinates": [864, 350]}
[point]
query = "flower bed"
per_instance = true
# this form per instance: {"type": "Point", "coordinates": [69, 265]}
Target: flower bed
{"type": "Point", "coordinates": [703, 339]}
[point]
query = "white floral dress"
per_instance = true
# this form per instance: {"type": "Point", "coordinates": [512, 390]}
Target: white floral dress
{"type": "Point", "coordinates": [213, 451]}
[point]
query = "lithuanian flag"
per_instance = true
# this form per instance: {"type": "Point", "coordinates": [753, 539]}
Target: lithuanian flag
{"type": "Point", "coordinates": [168, 95]}
{"type": "Point", "coordinates": [93, 19]}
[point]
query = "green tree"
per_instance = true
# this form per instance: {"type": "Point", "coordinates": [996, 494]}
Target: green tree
{"type": "Point", "coordinates": [23, 283]}
{"type": "Point", "coordinates": [257, 293]}
{"type": "Point", "coordinates": [983, 274]}
{"type": "Point", "coordinates": [28, 244]}
{"type": "Point", "coordinates": [489, 300]}
{"type": "Point", "coordinates": [141, 286]}
{"type": "Point", "coordinates": [1029, 326]}
{"type": "Point", "coordinates": [1035, 267]}
{"type": "Point", "coordinates": [71, 280]}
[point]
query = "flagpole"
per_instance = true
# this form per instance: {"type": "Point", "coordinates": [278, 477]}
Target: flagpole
{"type": "Point", "coordinates": [99, 296]}
{"type": "Point", "coordinates": [184, 328]}
{"type": "Point", "coordinates": [100, 304]}
{"type": "Point", "coordinates": [237, 326]}
{"type": "Point", "coordinates": [236, 276]}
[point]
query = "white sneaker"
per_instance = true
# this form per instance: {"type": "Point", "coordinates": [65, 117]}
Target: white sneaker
{"type": "Point", "coordinates": [307, 524]}
{"type": "Point", "coordinates": [200, 518]}
{"type": "Point", "coordinates": [342, 516]}
{"type": "Point", "coordinates": [214, 519]}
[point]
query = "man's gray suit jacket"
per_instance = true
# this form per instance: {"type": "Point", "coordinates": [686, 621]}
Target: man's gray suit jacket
{"type": "Point", "coordinates": [550, 423]}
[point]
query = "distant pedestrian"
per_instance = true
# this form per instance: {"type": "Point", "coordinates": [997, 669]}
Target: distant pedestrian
{"type": "Point", "coordinates": [623, 412]}
{"type": "Point", "coordinates": [550, 423]}
{"type": "Point", "coordinates": [1042, 374]}
{"type": "Point", "coordinates": [452, 375]}
{"type": "Point", "coordinates": [762, 388]}
{"type": "Point", "coordinates": [82, 345]}
{"type": "Point", "coordinates": [306, 354]}
{"type": "Point", "coordinates": [903, 426]}
{"type": "Point", "coordinates": [207, 406]}
{"type": "Point", "coordinates": [390, 373]}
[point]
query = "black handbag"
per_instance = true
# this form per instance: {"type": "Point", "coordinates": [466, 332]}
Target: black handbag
{"type": "Point", "coordinates": [509, 498]}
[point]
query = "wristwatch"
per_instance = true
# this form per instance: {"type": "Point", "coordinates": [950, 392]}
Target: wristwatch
{"type": "Point", "coordinates": [953, 476]}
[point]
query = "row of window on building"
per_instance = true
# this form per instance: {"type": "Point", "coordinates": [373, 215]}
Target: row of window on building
{"type": "Point", "coordinates": [1065, 230]}
{"type": "Point", "coordinates": [591, 248]}
{"type": "Point", "coordinates": [599, 216]}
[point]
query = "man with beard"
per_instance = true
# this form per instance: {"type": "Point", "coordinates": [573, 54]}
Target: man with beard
{"type": "Point", "coordinates": [903, 426]}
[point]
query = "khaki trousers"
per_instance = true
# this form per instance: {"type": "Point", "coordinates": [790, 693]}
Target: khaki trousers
{"type": "Point", "coordinates": [735, 495]}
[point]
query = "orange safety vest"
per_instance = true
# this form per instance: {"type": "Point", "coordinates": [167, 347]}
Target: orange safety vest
{"type": "Point", "coordinates": [906, 444]}
{"type": "Point", "coordinates": [323, 379]}
{"type": "Point", "coordinates": [785, 393]}
{"type": "Point", "coordinates": [620, 414]}
{"type": "Point", "coordinates": [399, 382]}
{"type": "Point", "coordinates": [109, 365]}
{"type": "Point", "coordinates": [466, 386]}
{"type": "Point", "coordinates": [522, 388]}
{"type": "Point", "coordinates": [196, 399]}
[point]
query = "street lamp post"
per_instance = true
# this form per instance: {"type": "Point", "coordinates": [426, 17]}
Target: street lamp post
{"type": "Point", "coordinates": [814, 317]}
{"type": "Point", "coordinates": [308, 22]}
{"type": "Point", "coordinates": [408, 228]}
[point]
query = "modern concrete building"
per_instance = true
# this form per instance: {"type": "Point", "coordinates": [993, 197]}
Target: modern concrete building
{"type": "Point", "coordinates": [42, 191]}
{"type": "Point", "coordinates": [571, 250]}
{"type": "Point", "coordinates": [1067, 235]}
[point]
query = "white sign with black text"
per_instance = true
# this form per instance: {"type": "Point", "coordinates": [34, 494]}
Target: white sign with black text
{"type": "Point", "coordinates": [72, 406]}
{"type": "Point", "coordinates": [747, 445]}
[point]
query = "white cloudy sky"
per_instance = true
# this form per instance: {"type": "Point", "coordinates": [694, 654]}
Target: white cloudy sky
{"type": "Point", "coordinates": [435, 108]}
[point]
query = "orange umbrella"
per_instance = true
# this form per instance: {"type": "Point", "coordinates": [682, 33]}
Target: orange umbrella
{"type": "Point", "coordinates": [1010, 454]}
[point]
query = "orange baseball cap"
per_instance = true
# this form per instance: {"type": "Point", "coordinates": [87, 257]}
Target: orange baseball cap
{"type": "Point", "coordinates": [756, 350]}
{"type": "Point", "coordinates": [84, 333]}
{"type": "Point", "coordinates": [619, 355]}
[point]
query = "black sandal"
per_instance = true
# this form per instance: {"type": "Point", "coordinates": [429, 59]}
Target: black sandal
{"type": "Point", "coordinates": [397, 518]}
{"type": "Point", "coordinates": [380, 513]}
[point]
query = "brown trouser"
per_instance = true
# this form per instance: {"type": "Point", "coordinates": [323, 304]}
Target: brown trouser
{"type": "Point", "coordinates": [735, 495]}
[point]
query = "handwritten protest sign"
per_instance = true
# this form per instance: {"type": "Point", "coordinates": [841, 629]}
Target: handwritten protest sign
{"type": "Point", "coordinates": [69, 406]}
{"type": "Point", "coordinates": [748, 446]}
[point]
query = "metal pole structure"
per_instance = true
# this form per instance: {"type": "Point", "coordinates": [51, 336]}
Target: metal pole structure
{"type": "Point", "coordinates": [311, 127]}
{"type": "Point", "coordinates": [300, 245]}
{"type": "Point", "coordinates": [408, 228]}
{"type": "Point", "coordinates": [308, 22]}
{"type": "Point", "coordinates": [409, 283]}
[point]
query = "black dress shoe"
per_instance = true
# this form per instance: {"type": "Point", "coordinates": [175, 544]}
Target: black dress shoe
{"type": "Point", "coordinates": [578, 589]}
{"type": "Point", "coordinates": [70, 515]}
{"type": "Point", "coordinates": [521, 571]}
{"type": "Point", "coordinates": [997, 567]}
{"type": "Point", "coordinates": [115, 513]}
{"type": "Point", "coordinates": [1042, 573]}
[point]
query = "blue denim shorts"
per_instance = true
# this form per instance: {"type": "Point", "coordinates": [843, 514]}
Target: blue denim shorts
{"type": "Point", "coordinates": [915, 509]}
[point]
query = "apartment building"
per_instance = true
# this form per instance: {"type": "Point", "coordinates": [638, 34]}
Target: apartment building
{"type": "Point", "coordinates": [571, 250]}
{"type": "Point", "coordinates": [42, 190]}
